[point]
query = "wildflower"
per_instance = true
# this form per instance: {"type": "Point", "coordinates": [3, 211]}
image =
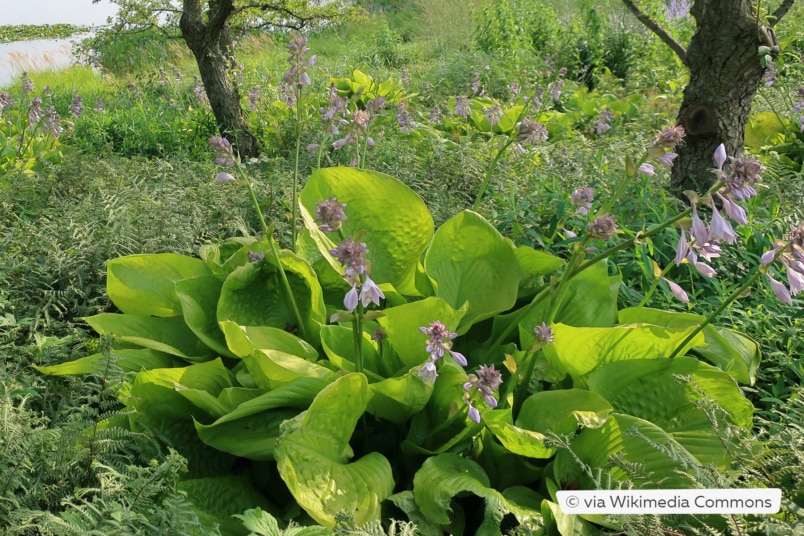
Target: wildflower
{"type": "Point", "coordinates": [256, 256]}
{"type": "Point", "coordinates": [795, 278]}
{"type": "Point", "coordinates": [740, 177]}
{"type": "Point", "coordinates": [297, 75]}
{"type": "Point", "coordinates": [352, 255]}
{"type": "Point", "coordinates": [702, 268]}
{"type": "Point", "coordinates": [429, 374]}
{"type": "Point", "coordinates": [770, 74]}
{"type": "Point", "coordinates": [720, 156]}
{"type": "Point", "coordinates": [486, 381]}
{"type": "Point", "coordinates": [582, 199]}
{"type": "Point", "coordinates": [404, 119]}
{"type": "Point", "coordinates": [253, 98]}
{"type": "Point", "coordinates": [462, 107]}
{"type": "Point", "coordinates": [435, 115]}
{"type": "Point", "coordinates": [99, 109]}
{"type": "Point", "coordinates": [440, 342]}
{"type": "Point", "coordinates": [26, 83]}
{"type": "Point", "coordinates": [667, 159]}
{"type": "Point", "coordinates": [76, 107]}
{"type": "Point", "coordinates": [5, 100]}
{"type": "Point", "coordinates": [670, 137]}
{"type": "Point", "coordinates": [474, 414]}
{"type": "Point", "coordinates": [554, 89]}
{"type": "Point", "coordinates": [370, 293]}
{"type": "Point", "coordinates": [475, 86]}
{"type": "Point", "coordinates": [530, 132]}
{"type": "Point", "coordinates": [603, 122]}
{"type": "Point", "coordinates": [51, 122]}
{"type": "Point", "coordinates": [544, 332]}
{"type": "Point", "coordinates": [699, 231]}
{"type": "Point", "coordinates": [34, 111]}
{"type": "Point", "coordinates": [603, 227]}
{"type": "Point", "coordinates": [682, 248]}
{"type": "Point", "coordinates": [493, 114]}
{"type": "Point", "coordinates": [331, 215]}
{"type": "Point", "coordinates": [733, 210]}
{"type": "Point", "coordinates": [768, 257]}
{"type": "Point", "coordinates": [200, 92]}
{"type": "Point", "coordinates": [677, 291]}
{"type": "Point", "coordinates": [780, 291]}
{"type": "Point", "coordinates": [647, 169]}
{"type": "Point", "coordinates": [225, 177]}
{"type": "Point", "coordinates": [720, 228]}
{"type": "Point", "coordinates": [676, 9]}
{"type": "Point", "coordinates": [224, 154]}
{"type": "Point", "coordinates": [351, 299]}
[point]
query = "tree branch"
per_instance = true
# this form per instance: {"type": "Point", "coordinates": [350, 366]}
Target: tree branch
{"type": "Point", "coordinates": [781, 11]}
{"type": "Point", "coordinates": [653, 26]}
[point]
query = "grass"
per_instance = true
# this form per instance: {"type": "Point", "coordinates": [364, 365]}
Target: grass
{"type": "Point", "coordinates": [139, 179]}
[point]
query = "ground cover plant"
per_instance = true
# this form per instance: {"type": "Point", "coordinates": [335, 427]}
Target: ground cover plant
{"type": "Point", "coordinates": [439, 296]}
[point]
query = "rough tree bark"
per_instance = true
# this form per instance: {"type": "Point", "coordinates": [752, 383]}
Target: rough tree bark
{"type": "Point", "coordinates": [212, 45]}
{"type": "Point", "coordinates": [725, 73]}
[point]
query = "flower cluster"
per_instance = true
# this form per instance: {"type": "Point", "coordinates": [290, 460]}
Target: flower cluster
{"type": "Point", "coordinates": [439, 344]}
{"type": "Point", "coordinates": [297, 75]}
{"type": "Point", "coordinates": [702, 241]}
{"type": "Point", "coordinates": [603, 122]}
{"type": "Point", "coordinates": [529, 132]}
{"type": "Point", "coordinates": [76, 108]}
{"type": "Point", "coordinates": [791, 255]}
{"type": "Point", "coordinates": [485, 382]}
{"type": "Point", "coordinates": [582, 199]}
{"type": "Point", "coordinates": [224, 154]}
{"type": "Point", "coordinates": [352, 255]}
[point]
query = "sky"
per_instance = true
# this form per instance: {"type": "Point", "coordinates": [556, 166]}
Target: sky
{"type": "Point", "coordinates": [78, 12]}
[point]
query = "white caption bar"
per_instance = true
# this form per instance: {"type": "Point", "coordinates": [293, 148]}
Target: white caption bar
{"type": "Point", "coordinates": [672, 501]}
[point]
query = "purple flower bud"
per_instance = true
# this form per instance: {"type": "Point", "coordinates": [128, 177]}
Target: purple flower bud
{"type": "Point", "coordinates": [603, 227]}
{"type": "Point", "coordinates": [330, 214]}
{"type": "Point", "coordinates": [462, 107]}
{"type": "Point", "coordinates": [474, 415]}
{"type": "Point", "coordinates": [704, 269]}
{"type": "Point", "coordinates": [699, 231]}
{"type": "Point", "coordinates": [647, 169]}
{"type": "Point", "coordinates": [670, 137]}
{"type": "Point", "coordinates": [720, 156]}
{"type": "Point", "coordinates": [350, 300]}
{"type": "Point", "coordinates": [682, 248]}
{"type": "Point", "coordinates": [796, 281]}
{"type": "Point", "coordinates": [781, 292]}
{"type": "Point", "coordinates": [768, 257]}
{"type": "Point", "coordinates": [720, 228]}
{"type": "Point", "coordinates": [225, 177]}
{"type": "Point", "coordinates": [734, 211]}
{"type": "Point", "coordinates": [544, 333]}
{"type": "Point", "coordinates": [677, 291]}
{"type": "Point", "coordinates": [667, 159]}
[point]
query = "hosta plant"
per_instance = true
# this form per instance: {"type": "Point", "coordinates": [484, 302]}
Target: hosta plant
{"type": "Point", "coordinates": [391, 370]}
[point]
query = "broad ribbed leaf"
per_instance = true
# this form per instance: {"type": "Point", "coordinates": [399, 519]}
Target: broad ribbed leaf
{"type": "Point", "coordinates": [128, 360]}
{"type": "Point", "coordinates": [470, 262]}
{"type": "Point", "coordinates": [402, 323]}
{"type": "Point", "coordinates": [395, 222]}
{"type": "Point", "coordinates": [533, 266]}
{"type": "Point", "coordinates": [243, 340]}
{"type": "Point", "coordinates": [731, 351]}
{"type": "Point", "coordinates": [662, 460]}
{"type": "Point", "coordinates": [514, 438]}
{"type": "Point", "coordinates": [313, 453]}
{"type": "Point", "coordinates": [254, 295]}
{"type": "Point", "coordinates": [199, 303]}
{"type": "Point", "coordinates": [397, 399]}
{"type": "Point", "coordinates": [441, 478]}
{"type": "Point", "coordinates": [143, 284]}
{"type": "Point", "coordinates": [579, 351]}
{"type": "Point", "coordinates": [562, 411]}
{"type": "Point", "coordinates": [652, 390]}
{"type": "Point", "coordinates": [168, 335]}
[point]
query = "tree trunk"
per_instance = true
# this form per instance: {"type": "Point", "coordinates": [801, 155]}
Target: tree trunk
{"type": "Point", "coordinates": [725, 73]}
{"type": "Point", "coordinates": [212, 45]}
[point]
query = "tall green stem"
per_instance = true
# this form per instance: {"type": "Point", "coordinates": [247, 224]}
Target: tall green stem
{"type": "Point", "coordinates": [282, 275]}
{"type": "Point", "coordinates": [295, 201]}
{"type": "Point", "coordinates": [357, 337]}
{"type": "Point", "coordinates": [727, 302]}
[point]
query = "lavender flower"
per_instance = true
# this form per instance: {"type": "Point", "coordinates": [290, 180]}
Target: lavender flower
{"type": "Point", "coordinates": [739, 179]}
{"type": "Point", "coordinates": [331, 215]}
{"type": "Point", "coordinates": [720, 228]}
{"type": "Point", "coordinates": [200, 92]}
{"type": "Point", "coordinates": [670, 137]}
{"type": "Point", "coordinates": [352, 255]}
{"type": "Point", "coordinates": [297, 75]}
{"type": "Point", "coordinates": [486, 381]}
{"type": "Point", "coordinates": [582, 199]}
{"type": "Point", "coordinates": [439, 344]}
{"type": "Point", "coordinates": [603, 227]}
{"type": "Point", "coordinates": [34, 111]}
{"type": "Point", "coordinates": [544, 333]}
{"type": "Point", "coordinates": [223, 176]}
{"type": "Point", "coordinates": [493, 114]}
{"type": "Point", "coordinates": [99, 109]}
{"type": "Point", "coordinates": [51, 122]}
{"type": "Point", "coordinates": [76, 107]}
{"type": "Point", "coordinates": [603, 122]}
{"type": "Point", "coordinates": [404, 119]}
{"type": "Point", "coordinates": [254, 98]}
{"type": "Point", "coordinates": [224, 154]}
{"type": "Point", "coordinates": [667, 159]}
{"type": "Point", "coordinates": [463, 107]}
{"type": "Point", "coordinates": [780, 290]}
{"type": "Point", "coordinates": [26, 83]}
{"type": "Point", "coordinates": [256, 256]}
{"type": "Point", "coordinates": [530, 132]}
{"type": "Point", "coordinates": [677, 291]}
{"type": "Point", "coordinates": [5, 100]}
{"type": "Point", "coordinates": [647, 169]}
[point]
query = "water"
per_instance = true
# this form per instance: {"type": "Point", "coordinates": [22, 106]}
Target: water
{"type": "Point", "coordinates": [46, 53]}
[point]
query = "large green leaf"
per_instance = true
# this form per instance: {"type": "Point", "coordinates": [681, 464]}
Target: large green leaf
{"type": "Point", "coordinates": [652, 390]}
{"type": "Point", "coordinates": [168, 335]}
{"type": "Point", "coordinates": [563, 411]}
{"type": "Point", "coordinates": [731, 351]}
{"type": "Point", "coordinates": [397, 399]}
{"type": "Point", "coordinates": [160, 394]}
{"type": "Point", "coordinates": [250, 430]}
{"type": "Point", "coordinates": [313, 451]}
{"type": "Point", "coordinates": [395, 222]}
{"type": "Point", "coordinates": [533, 266]}
{"type": "Point", "coordinates": [662, 461]}
{"type": "Point", "coordinates": [254, 295]}
{"type": "Point", "coordinates": [130, 360]}
{"type": "Point", "coordinates": [761, 126]}
{"type": "Point", "coordinates": [470, 262]}
{"type": "Point", "coordinates": [199, 303]}
{"type": "Point", "coordinates": [578, 351]}
{"type": "Point", "coordinates": [143, 284]}
{"type": "Point", "coordinates": [441, 478]}
{"type": "Point", "coordinates": [243, 340]}
{"type": "Point", "coordinates": [338, 344]}
{"type": "Point", "coordinates": [402, 323]}
{"type": "Point", "coordinates": [590, 300]}
{"type": "Point", "coordinates": [514, 438]}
